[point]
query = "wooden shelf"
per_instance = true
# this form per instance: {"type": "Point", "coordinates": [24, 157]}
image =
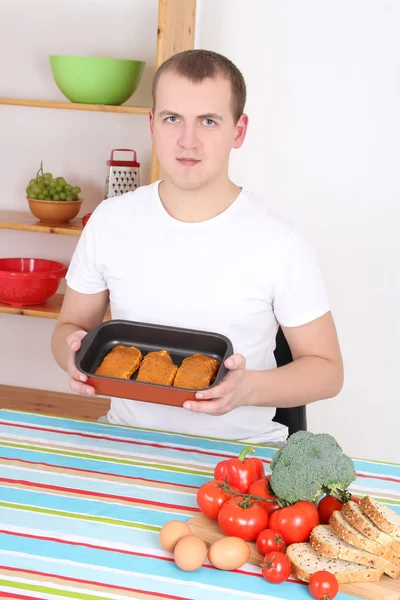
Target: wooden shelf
{"type": "Point", "coordinates": [25, 221]}
{"type": "Point", "coordinates": [130, 110]}
{"type": "Point", "coordinates": [49, 310]}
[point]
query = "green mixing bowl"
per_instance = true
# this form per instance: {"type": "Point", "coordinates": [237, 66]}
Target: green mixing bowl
{"type": "Point", "coordinates": [93, 80]}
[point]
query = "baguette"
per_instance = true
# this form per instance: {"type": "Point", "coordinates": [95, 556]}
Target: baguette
{"type": "Point", "coordinates": [353, 513]}
{"type": "Point", "coordinates": [305, 562]}
{"type": "Point", "coordinates": [327, 543]}
{"type": "Point", "coordinates": [347, 532]}
{"type": "Point", "coordinates": [384, 517]}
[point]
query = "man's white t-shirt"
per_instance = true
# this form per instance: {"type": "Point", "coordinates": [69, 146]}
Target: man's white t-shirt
{"type": "Point", "coordinates": [239, 274]}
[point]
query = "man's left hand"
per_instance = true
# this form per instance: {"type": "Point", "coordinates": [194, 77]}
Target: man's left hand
{"type": "Point", "coordinates": [233, 391]}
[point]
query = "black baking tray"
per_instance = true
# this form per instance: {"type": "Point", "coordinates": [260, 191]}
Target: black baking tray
{"type": "Point", "coordinates": [179, 342]}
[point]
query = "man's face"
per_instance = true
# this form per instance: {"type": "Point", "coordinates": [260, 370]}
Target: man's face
{"type": "Point", "coordinates": [193, 129]}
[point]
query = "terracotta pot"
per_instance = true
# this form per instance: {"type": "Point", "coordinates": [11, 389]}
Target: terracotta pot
{"type": "Point", "coordinates": [54, 211]}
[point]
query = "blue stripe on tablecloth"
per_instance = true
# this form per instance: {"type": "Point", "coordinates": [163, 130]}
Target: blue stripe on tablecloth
{"type": "Point", "coordinates": [128, 566]}
{"type": "Point", "coordinates": [221, 446]}
{"type": "Point", "coordinates": [102, 466]}
{"type": "Point", "coordinates": [99, 486]}
{"type": "Point", "coordinates": [94, 508]}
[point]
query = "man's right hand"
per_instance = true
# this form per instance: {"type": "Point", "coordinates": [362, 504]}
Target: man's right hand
{"type": "Point", "coordinates": [76, 379]}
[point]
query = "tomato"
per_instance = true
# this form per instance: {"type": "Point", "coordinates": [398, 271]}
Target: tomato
{"type": "Point", "coordinates": [356, 499]}
{"type": "Point", "coordinates": [294, 523]}
{"type": "Point", "coordinates": [276, 567]}
{"type": "Point", "coordinates": [269, 540]}
{"type": "Point", "coordinates": [311, 511]}
{"type": "Point", "coordinates": [86, 218]}
{"type": "Point", "coordinates": [236, 519]}
{"type": "Point", "coordinates": [261, 488]}
{"type": "Point", "coordinates": [211, 497]}
{"type": "Point", "coordinates": [326, 506]}
{"type": "Point", "coordinates": [323, 585]}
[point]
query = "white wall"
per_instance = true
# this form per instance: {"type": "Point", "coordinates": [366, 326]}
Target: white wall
{"type": "Point", "coordinates": [323, 84]}
{"type": "Point", "coordinates": [323, 147]}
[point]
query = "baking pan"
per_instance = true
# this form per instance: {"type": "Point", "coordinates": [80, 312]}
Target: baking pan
{"type": "Point", "coordinates": [179, 342]}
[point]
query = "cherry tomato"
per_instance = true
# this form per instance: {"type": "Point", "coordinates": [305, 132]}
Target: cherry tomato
{"type": "Point", "coordinates": [261, 488]}
{"type": "Point", "coordinates": [323, 585]}
{"type": "Point", "coordinates": [356, 499]}
{"type": "Point", "coordinates": [294, 523]}
{"type": "Point", "coordinates": [269, 540]}
{"type": "Point", "coordinates": [239, 521]}
{"type": "Point", "coordinates": [86, 218]}
{"type": "Point", "coordinates": [326, 506]}
{"type": "Point", "coordinates": [211, 497]}
{"type": "Point", "coordinates": [276, 567]}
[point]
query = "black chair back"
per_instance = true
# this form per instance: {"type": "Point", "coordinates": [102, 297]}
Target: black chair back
{"type": "Point", "coordinates": [294, 418]}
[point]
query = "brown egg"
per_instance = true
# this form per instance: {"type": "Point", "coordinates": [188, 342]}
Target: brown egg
{"type": "Point", "coordinates": [171, 533]}
{"type": "Point", "coordinates": [190, 553]}
{"type": "Point", "coordinates": [228, 553]}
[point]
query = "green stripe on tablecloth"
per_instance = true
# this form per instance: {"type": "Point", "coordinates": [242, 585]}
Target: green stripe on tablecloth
{"type": "Point", "coordinates": [103, 458]}
{"type": "Point", "coordinates": [54, 592]}
{"type": "Point", "coordinates": [83, 517]}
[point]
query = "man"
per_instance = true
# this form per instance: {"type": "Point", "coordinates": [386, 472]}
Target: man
{"type": "Point", "coordinates": [195, 250]}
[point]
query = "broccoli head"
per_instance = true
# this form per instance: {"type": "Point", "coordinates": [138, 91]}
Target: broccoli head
{"type": "Point", "coordinates": [310, 465]}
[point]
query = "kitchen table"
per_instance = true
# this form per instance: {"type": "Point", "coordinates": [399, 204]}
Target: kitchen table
{"type": "Point", "coordinates": [81, 505]}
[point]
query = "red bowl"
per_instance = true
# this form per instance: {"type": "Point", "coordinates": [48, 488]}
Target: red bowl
{"type": "Point", "coordinates": [29, 281]}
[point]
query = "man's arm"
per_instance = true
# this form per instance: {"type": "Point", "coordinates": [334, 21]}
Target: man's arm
{"type": "Point", "coordinates": [316, 372]}
{"type": "Point", "coordinates": [79, 314]}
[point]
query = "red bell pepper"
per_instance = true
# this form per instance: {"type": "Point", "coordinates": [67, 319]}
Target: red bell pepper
{"type": "Point", "coordinates": [240, 472]}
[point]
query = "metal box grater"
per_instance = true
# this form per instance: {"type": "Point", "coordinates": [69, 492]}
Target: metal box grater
{"type": "Point", "coordinates": [123, 175]}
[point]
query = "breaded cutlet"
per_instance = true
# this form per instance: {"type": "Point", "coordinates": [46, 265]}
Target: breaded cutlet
{"type": "Point", "coordinates": [157, 367]}
{"type": "Point", "coordinates": [196, 372]}
{"type": "Point", "coordinates": [121, 362]}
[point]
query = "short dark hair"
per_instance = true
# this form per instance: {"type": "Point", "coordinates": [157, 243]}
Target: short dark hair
{"type": "Point", "coordinates": [197, 65]}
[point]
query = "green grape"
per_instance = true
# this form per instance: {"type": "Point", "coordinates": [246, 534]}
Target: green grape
{"type": "Point", "coordinates": [68, 188]}
{"type": "Point", "coordinates": [37, 189]}
{"type": "Point", "coordinates": [68, 198]}
{"type": "Point", "coordinates": [28, 190]}
{"type": "Point", "coordinates": [74, 197]}
{"type": "Point", "coordinates": [76, 190]}
{"type": "Point", "coordinates": [58, 188]}
{"type": "Point", "coordinates": [33, 196]}
{"type": "Point", "coordinates": [53, 184]}
{"type": "Point", "coordinates": [32, 182]}
{"type": "Point", "coordinates": [41, 197]}
{"type": "Point", "coordinates": [48, 176]}
{"type": "Point", "coordinates": [62, 196]}
{"type": "Point", "coordinates": [61, 181]}
{"type": "Point", "coordinates": [56, 197]}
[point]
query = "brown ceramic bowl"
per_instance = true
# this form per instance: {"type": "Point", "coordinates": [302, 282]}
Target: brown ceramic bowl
{"type": "Point", "coordinates": [54, 211]}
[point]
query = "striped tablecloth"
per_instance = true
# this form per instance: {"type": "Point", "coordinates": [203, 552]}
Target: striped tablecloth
{"type": "Point", "coordinates": [81, 504]}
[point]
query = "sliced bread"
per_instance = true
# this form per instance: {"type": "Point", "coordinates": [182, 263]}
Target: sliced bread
{"type": "Point", "coordinates": [354, 514]}
{"type": "Point", "coordinates": [327, 543]}
{"type": "Point", "coordinates": [305, 562]}
{"type": "Point", "coordinates": [347, 532]}
{"type": "Point", "coordinates": [384, 517]}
